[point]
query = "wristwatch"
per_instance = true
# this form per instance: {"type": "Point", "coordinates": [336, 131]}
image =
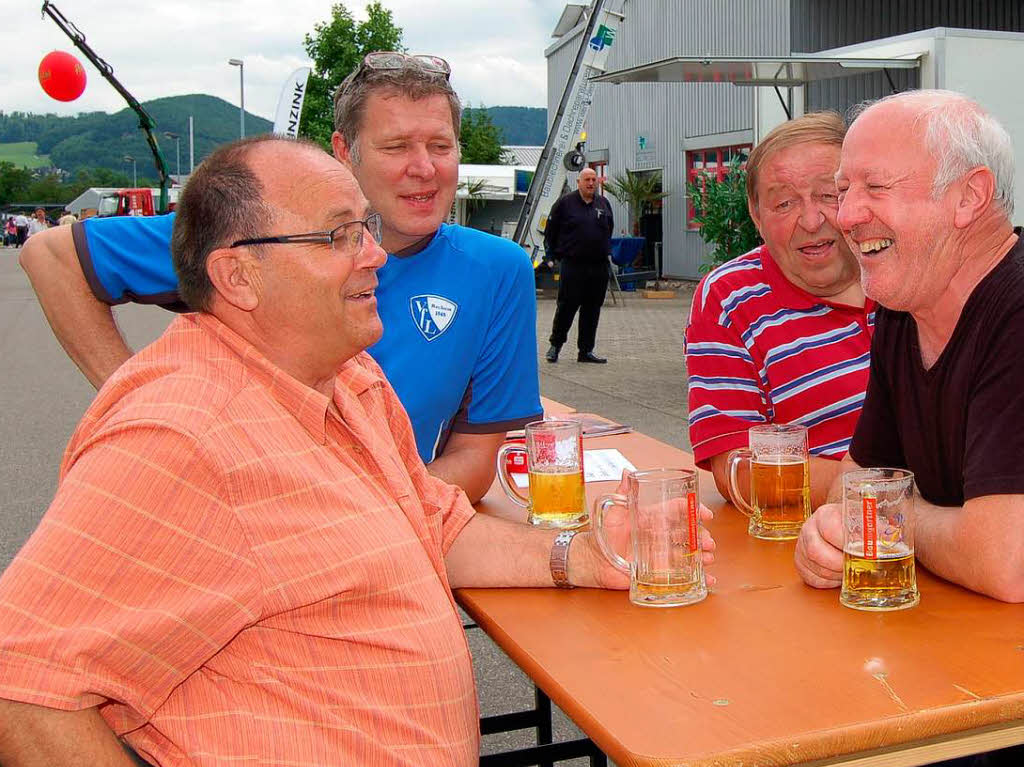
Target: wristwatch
{"type": "Point", "coordinates": [560, 559]}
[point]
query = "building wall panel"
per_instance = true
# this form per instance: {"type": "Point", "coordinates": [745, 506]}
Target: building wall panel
{"type": "Point", "coordinates": [822, 24]}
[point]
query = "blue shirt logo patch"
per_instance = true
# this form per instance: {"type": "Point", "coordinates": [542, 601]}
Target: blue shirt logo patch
{"type": "Point", "coordinates": [432, 314]}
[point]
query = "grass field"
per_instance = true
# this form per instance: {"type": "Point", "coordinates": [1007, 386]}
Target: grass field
{"type": "Point", "coordinates": [23, 154]}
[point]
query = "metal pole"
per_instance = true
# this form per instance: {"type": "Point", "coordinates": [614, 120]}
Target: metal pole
{"type": "Point", "coordinates": [191, 148]}
{"type": "Point", "coordinates": [241, 86]}
{"type": "Point", "coordinates": [129, 158]}
{"type": "Point", "coordinates": [241, 104]}
{"type": "Point", "coordinates": [177, 150]}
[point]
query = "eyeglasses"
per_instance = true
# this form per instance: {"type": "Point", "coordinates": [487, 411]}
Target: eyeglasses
{"type": "Point", "coordinates": [345, 239]}
{"type": "Point", "coordinates": [395, 60]}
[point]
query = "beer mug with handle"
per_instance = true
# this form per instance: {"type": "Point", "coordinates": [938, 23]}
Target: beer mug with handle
{"type": "Point", "coordinates": [666, 569]}
{"type": "Point", "coordinates": [878, 540]}
{"type": "Point", "coordinates": [780, 488]}
{"type": "Point", "coordinates": [554, 463]}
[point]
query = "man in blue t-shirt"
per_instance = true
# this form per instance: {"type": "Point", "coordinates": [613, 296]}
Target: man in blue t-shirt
{"type": "Point", "coordinates": [457, 305]}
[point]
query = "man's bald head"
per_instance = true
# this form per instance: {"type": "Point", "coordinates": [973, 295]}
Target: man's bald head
{"type": "Point", "coordinates": [959, 134]}
{"type": "Point", "coordinates": [222, 202]}
{"type": "Point", "coordinates": [587, 184]}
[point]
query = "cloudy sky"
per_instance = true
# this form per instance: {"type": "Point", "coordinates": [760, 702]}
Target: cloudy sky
{"type": "Point", "coordinates": [171, 48]}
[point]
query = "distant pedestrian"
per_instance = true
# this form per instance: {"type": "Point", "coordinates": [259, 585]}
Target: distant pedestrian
{"type": "Point", "coordinates": [21, 224]}
{"type": "Point", "coordinates": [37, 223]}
{"type": "Point", "coordinates": [10, 232]}
{"type": "Point", "coordinates": [579, 232]}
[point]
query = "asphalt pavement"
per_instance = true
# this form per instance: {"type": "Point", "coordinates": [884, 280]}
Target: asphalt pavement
{"type": "Point", "coordinates": [43, 395]}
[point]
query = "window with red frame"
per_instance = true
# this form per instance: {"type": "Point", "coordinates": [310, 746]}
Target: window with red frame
{"type": "Point", "coordinates": [601, 169]}
{"type": "Point", "coordinates": [712, 162]}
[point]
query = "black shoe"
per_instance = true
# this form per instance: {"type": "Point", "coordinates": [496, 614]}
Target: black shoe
{"type": "Point", "coordinates": [552, 355]}
{"type": "Point", "coordinates": [590, 357]}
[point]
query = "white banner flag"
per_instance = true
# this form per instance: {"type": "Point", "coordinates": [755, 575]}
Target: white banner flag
{"type": "Point", "coordinates": [289, 106]}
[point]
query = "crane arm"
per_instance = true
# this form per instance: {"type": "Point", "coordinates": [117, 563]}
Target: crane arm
{"type": "Point", "coordinates": [146, 123]}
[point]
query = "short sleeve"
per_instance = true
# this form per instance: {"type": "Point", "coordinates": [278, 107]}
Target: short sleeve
{"type": "Point", "coordinates": [137, 574]}
{"type": "Point", "coordinates": [995, 439]}
{"type": "Point", "coordinates": [876, 440]}
{"type": "Point", "coordinates": [725, 394]}
{"type": "Point", "coordinates": [128, 258]}
{"type": "Point", "coordinates": [505, 392]}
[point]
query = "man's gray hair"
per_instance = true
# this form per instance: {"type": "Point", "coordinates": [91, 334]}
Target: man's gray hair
{"type": "Point", "coordinates": [411, 82]}
{"type": "Point", "coordinates": [960, 135]}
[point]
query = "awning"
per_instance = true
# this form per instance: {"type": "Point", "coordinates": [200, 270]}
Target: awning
{"type": "Point", "coordinates": [493, 182]}
{"type": "Point", "coordinates": [783, 71]}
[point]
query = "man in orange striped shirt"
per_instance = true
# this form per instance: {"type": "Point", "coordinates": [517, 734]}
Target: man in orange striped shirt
{"type": "Point", "coordinates": [246, 561]}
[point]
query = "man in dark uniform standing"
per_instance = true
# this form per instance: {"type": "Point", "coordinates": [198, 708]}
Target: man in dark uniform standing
{"type": "Point", "coordinates": [578, 232]}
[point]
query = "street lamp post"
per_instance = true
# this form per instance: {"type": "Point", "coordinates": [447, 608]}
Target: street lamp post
{"type": "Point", "coordinates": [129, 158]}
{"type": "Point", "coordinates": [241, 87]}
{"type": "Point", "coordinates": [177, 151]}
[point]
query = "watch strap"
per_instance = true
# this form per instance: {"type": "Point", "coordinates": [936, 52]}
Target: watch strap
{"type": "Point", "coordinates": [560, 559]}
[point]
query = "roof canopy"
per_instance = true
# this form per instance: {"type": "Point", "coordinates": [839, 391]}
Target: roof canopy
{"type": "Point", "coordinates": [782, 71]}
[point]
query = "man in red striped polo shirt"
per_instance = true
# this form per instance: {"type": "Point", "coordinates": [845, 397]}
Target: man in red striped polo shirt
{"type": "Point", "coordinates": [782, 334]}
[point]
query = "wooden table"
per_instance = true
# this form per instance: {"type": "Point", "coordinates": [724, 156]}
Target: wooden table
{"type": "Point", "coordinates": [766, 671]}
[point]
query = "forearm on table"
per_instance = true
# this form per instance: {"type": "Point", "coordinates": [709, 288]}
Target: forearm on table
{"type": "Point", "coordinates": [82, 323]}
{"type": "Point", "coordinates": [825, 472]}
{"type": "Point", "coordinates": [495, 553]}
{"type": "Point", "coordinates": [35, 736]}
{"type": "Point", "coordinates": [468, 461]}
{"type": "Point", "coordinates": [979, 546]}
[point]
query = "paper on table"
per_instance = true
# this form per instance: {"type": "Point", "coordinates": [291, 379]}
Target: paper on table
{"type": "Point", "coordinates": [604, 464]}
{"type": "Point", "coordinates": [598, 466]}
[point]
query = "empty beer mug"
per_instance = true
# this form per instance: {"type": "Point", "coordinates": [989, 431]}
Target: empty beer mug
{"type": "Point", "coordinates": [780, 486]}
{"type": "Point", "coordinates": [878, 540]}
{"type": "Point", "coordinates": [554, 463]}
{"type": "Point", "coordinates": [666, 569]}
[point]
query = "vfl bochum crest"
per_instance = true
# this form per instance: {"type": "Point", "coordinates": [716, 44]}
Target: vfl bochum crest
{"type": "Point", "coordinates": [432, 314]}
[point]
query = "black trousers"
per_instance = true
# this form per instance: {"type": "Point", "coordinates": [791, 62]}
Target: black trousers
{"type": "Point", "coordinates": [581, 287]}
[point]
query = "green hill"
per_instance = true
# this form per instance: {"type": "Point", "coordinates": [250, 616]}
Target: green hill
{"type": "Point", "coordinates": [520, 125]}
{"type": "Point", "coordinates": [102, 140]}
{"type": "Point", "coordinates": [23, 154]}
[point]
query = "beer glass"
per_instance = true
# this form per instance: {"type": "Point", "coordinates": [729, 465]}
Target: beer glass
{"type": "Point", "coordinates": [878, 540]}
{"type": "Point", "coordinates": [780, 486]}
{"type": "Point", "coordinates": [666, 569]}
{"type": "Point", "coordinates": [554, 463]}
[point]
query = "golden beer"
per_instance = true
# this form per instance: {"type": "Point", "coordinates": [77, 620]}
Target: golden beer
{"type": "Point", "coordinates": [886, 583]}
{"type": "Point", "coordinates": [780, 494]}
{"type": "Point", "coordinates": [682, 584]}
{"type": "Point", "coordinates": [557, 498]}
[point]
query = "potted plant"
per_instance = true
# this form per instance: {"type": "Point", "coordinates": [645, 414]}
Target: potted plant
{"type": "Point", "coordinates": [638, 192]}
{"type": "Point", "coordinates": [722, 216]}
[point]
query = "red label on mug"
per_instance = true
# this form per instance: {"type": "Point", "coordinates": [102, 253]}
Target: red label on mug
{"type": "Point", "coordinates": [691, 513]}
{"type": "Point", "coordinates": [869, 507]}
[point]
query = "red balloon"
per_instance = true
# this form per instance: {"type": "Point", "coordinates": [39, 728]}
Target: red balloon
{"type": "Point", "coordinates": [61, 76]}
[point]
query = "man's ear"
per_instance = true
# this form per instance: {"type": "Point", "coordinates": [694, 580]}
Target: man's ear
{"type": "Point", "coordinates": [977, 189]}
{"type": "Point", "coordinates": [237, 277]}
{"type": "Point", "coordinates": [341, 150]}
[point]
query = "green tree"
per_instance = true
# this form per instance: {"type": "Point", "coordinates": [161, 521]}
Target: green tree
{"type": "Point", "coordinates": [722, 215]}
{"type": "Point", "coordinates": [480, 140]}
{"type": "Point", "coordinates": [337, 47]}
{"type": "Point", "coordinates": [14, 183]}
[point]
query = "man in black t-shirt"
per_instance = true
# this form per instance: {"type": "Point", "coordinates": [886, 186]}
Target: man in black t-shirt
{"type": "Point", "coordinates": [926, 195]}
{"type": "Point", "coordinates": [579, 232]}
